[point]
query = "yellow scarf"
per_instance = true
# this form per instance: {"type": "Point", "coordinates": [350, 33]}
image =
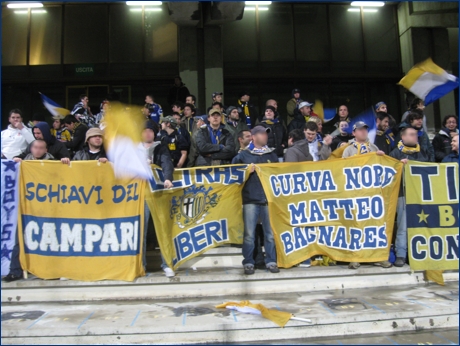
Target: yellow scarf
{"type": "Point", "coordinates": [408, 150]}
{"type": "Point", "coordinates": [245, 107]}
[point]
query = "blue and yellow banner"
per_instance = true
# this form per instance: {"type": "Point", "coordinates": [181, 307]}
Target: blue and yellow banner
{"type": "Point", "coordinates": [79, 222]}
{"type": "Point", "coordinates": [432, 215]}
{"type": "Point", "coordinates": [341, 208]}
{"type": "Point", "coordinates": [202, 210]}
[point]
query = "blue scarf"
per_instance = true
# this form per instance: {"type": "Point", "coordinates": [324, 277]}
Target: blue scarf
{"type": "Point", "coordinates": [262, 150]}
{"type": "Point", "coordinates": [390, 136]}
{"type": "Point", "coordinates": [215, 134]}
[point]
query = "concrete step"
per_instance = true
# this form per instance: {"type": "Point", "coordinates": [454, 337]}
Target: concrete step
{"type": "Point", "coordinates": [209, 282]}
{"type": "Point", "coordinates": [334, 313]}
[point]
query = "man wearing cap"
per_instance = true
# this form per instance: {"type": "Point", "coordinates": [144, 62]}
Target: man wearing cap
{"type": "Point", "coordinates": [235, 125]}
{"type": "Point", "coordinates": [277, 137]}
{"type": "Point", "coordinates": [247, 111]}
{"type": "Point", "coordinates": [302, 117]}
{"type": "Point", "coordinates": [360, 144]}
{"type": "Point", "coordinates": [255, 204]}
{"type": "Point", "coordinates": [93, 150]}
{"type": "Point", "coordinates": [59, 131]}
{"type": "Point", "coordinates": [199, 122]}
{"type": "Point", "coordinates": [214, 143]}
{"type": "Point", "coordinates": [78, 131]}
{"type": "Point", "coordinates": [176, 143]}
{"type": "Point", "coordinates": [292, 106]}
{"type": "Point", "coordinates": [217, 97]}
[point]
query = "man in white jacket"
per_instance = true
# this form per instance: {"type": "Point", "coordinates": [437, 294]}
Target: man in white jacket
{"type": "Point", "coordinates": [16, 137]}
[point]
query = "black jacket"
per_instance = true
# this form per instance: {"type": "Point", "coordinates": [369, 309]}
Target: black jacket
{"type": "Point", "coordinates": [85, 155]}
{"type": "Point", "coordinates": [178, 93]}
{"type": "Point", "coordinates": [208, 152]}
{"type": "Point", "coordinates": [253, 193]}
{"type": "Point", "coordinates": [159, 155]}
{"type": "Point", "coordinates": [277, 138]}
{"type": "Point", "coordinates": [297, 123]}
{"type": "Point", "coordinates": [253, 114]}
{"type": "Point", "coordinates": [57, 149]}
{"type": "Point", "coordinates": [337, 140]}
{"type": "Point", "coordinates": [383, 143]}
{"type": "Point", "coordinates": [175, 142]}
{"type": "Point", "coordinates": [78, 139]}
{"type": "Point", "coordinates": [442, 144]}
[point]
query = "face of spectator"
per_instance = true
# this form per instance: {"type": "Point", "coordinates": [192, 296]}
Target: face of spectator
{"type": "Point", "coordinates": [57, 124]}
{"type": "Point", "coordinates": [451, 124]}
{"type": "Point", "coordinates": [455, 144]}
{"type": "Point", "coordinates": [417, 123]}
{"type": "Point", "coordinates": [214, 119]}
{"type": "Point", "coordinates": [360, 134]}
{"type": "Point", "coordinates": [269, 114]}
{"type": "Point", "coordinates": [70, 126]}
{"type": "Point", "coordinates": [38, 149]}
{"type": "Point", "coordinates": [272, 103]}
{"type": "Point", "coordinates": [297, 95]}
{"type": "Point", "coordinates": [15, 119]}
{"type": "Point", "coordinates": [95, 141]}
{"type": "Point", "coordinates": [187, 112]}
{"type": "Point", "coordinates": [176, 109]}
{"type": "Point", "coordinates": [421, 105]}
{"type": "Point", "coordinates": [410, 137]}
{"type": "Point", "coordinates": [148, 99]}
{"type": "Point", "coordinates": [148, 136]}
{"type": "Point", "coordinates": [200, 122]}
{"type": "Point", "coordinates": [343, 112]}
{"type": "Point", "coordinates": [189, 99]}
{"type": "Point", "coordinates": [310, 135]}
{"type": "Point", "coordinates": [247, 137]}
{"type": "Point", "coordinates": [177, 118]}
{"type": "Point", "coordinates": [145, 111]}
{"type": "Point", "coordinates": [164, 125]}
{"type": "Point", "coordinates": [305, 111]}
{"type": "Point", "coordinates": [85, 101]}
{"type": "Point", "coordinates": [260, 139]}
{"type": "Point", "coordinates": [245, 98]}
{"type": "Point", "coordinates": [234, 115]}
{"type": "Point", "coordinates": [177, 81]}
{"type": "Point", "coordinates": [382, 125]}
{"type": "Point", "coordinates": [383, 108]}
{"type": "Point", "coordinates": [38, 133]}
{"type": "Point", "coordinates": [343, 126]}
{"type": "Point", "coordinates": [320, 126]}
{"type": "Point", "coordinates": [218, 98]}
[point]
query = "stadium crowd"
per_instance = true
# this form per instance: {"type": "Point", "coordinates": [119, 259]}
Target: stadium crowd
{"type": "Point", "coordinates": [235, 134]}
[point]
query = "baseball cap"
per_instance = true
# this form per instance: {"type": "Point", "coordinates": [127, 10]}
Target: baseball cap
{"type": "Point", "coordinates": [360, 125]}
{"type": "Point", "coordinates": [200, 117]}
{"type": "Point", "coordinates": [377, 105]}
{"type": "Point", "coordinates": [215, 93]}
{"type": "Point", "coordinates": [260, 129]}
{"type": "Point", "coordinates": [94, 131]}
{"type": "Point", "coordinates": [213, 111]}
{"type": "Point", "coordinates": [168, 119]}
{"type": "Point", "coordinates": [295, 91]}
{"type": "Point", "coordinates": [304, 104]}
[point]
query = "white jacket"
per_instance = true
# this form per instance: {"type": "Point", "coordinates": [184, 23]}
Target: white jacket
{"type": "Point", "coordinates": [15, 141]}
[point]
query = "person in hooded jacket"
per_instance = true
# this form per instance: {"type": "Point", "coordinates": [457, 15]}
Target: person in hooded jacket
{"type": "Point", "coordinates": [214, 144]}
{"type": "Point", "coordinates": [277, 136]}
{"type": "Point", "coordinates": [55, 148]}
{"type": "Point", "coordinates": [442, 141]}
{"type": "Point", "coordinates": [235, 125]}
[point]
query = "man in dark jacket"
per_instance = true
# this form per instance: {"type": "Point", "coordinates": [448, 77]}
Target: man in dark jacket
{"type": "Point", "coordinates": [57, 149]}
{"type": "Point", "coordinates": [301, 117]}
{"type": "Point", "coordinates": [176, 143]}
{"type": "Point", "coordinates": [235, 125]}
{"type": "Point", "coordinates": [453, 156]}
{"type": "Point", "coordinates": [382, 139]}
{"type": "Point", "coordinates": [78, 131]}
{"type": "Point", "coordinates": [277, 136]}
{"type": "Point", "coordinates": [255, 202]}
{"type": "Point", "coordinates": [214, 144]}
{"type": "Point", "coordinates": [247, 110]}
{"type": "Point", "coordinates": [178, 92]}
{"type": "Point", "coordinates": [406, 149]}
{"type": "Point", "coordinates": [93, 150]}
{"type": "Point", "coordinates": [442, 141]}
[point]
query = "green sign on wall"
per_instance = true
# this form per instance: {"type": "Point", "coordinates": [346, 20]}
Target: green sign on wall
{"type": "Point", "coordinates": [84, 70]}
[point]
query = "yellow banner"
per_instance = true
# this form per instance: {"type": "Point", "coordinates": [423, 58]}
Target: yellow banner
{"type": "Point", "coordinates": [341, 208]}
{"type": "Point", "coordinates": [432, 215]}
{"type": "Point", "coordinates": [202, 210]}
{"type": "Point", "coordinates": [79, 222]}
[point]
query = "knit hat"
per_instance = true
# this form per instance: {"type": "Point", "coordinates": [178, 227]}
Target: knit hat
{"type": "Point", "coordinates": [241, 94]}
{"type": "Point", "coordinates": [230, 108]}
{"type": "Point", "coordinates": [295, 91]}
{"type": "Point", "coordinates": [94, 131]}
{"type": "Point", "coordinates": [377, 105]}
{"type": "Point", "coordinates": [271, 108]}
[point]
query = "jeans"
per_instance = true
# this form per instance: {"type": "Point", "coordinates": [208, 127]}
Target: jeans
{"type": "Point", "coordinates": [146, 226]}
{"type": "Point", "coordinates": [251, 213]}
{"type": "Point", "coordinates": [401, 234]}
{"type": "Point", "coordinates": [258, 254]}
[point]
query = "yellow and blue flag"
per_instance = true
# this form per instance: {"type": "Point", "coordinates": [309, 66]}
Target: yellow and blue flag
{"type": "Point", "coordinates": [428, 81]}
{"type": "Point", "coordinates": [53, 107]}
{"type": "Point", "coordinates": [325, 114]}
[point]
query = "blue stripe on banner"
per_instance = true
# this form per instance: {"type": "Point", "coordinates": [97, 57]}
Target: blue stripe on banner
{"type": "Point", "coordinates": [81, 237]}
{"type": "Point", "coordinates": [431, 215]}
{"type": "Point", "coordinates": [49, 101]}
{"type": "Point", "coordinates": [440, 91]}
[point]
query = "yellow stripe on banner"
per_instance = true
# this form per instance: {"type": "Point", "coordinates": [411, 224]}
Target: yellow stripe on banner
{"type": "Point", "coordinates": [415, 72]}
{"type": "Point", "coordinates": [435, 275]}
